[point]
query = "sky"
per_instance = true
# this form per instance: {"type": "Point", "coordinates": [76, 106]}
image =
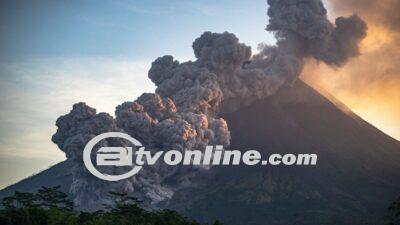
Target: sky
{"type": "Point", "coordinates": [56, 53]}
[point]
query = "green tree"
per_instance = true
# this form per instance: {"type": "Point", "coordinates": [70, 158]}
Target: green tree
{"type": "Point", "coordinates": [52, 197]}
{"type": "Point", "coordinates": [394, 211]}
{"type": "Point", "coordinates": [50, 206]}
{"type": "Point", "coordinates": [19, 200]}
{"type": "Point", "coordinates": [217, 222]}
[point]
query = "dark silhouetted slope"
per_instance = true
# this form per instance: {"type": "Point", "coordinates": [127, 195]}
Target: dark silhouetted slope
{"type": "Point", "coordinates": [59, 174]}
{"type": "Point", "coordinates": [357, 175]}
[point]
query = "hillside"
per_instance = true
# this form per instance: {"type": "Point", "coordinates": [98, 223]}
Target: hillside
{"type": "Point", "coordinates": [357, 175]}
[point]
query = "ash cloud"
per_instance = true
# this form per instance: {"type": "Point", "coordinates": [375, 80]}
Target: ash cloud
{"type": "Point", "coordinates": [302, 28]}
{"type": "Point", "coordinates": [383, 12]}
{"type": "Point", "coordinates": [74, 131]}
{"type": "Point", "coordinates": [369, 84]}
{"type": "Point", "coordinates": [184, 111]}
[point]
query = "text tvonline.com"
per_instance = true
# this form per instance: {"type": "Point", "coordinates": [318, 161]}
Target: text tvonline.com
{"type": "Point", "coordinates": [218, 156]}
{"type": "Point", "coordinates": [211, 156]}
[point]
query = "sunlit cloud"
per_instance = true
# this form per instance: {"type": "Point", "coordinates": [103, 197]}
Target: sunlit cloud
{"type": "Point", "coordinates": [369, 85]}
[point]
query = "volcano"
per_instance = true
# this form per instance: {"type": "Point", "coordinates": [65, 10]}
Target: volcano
{"type": "Point", "coordinates": [355, 179]}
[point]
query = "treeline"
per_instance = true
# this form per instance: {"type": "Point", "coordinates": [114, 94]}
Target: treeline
{"type": "Point", "coordinates": [50, 206]}
{"type": "Point", "coordinates": [394, 213]}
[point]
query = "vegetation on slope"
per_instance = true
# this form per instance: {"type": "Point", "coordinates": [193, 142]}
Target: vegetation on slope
{"type": "Point", "coordinates": [50, 206]}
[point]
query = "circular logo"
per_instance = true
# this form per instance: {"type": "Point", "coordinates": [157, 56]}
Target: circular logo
{"type": "Point", "coordinates": [90, 145]}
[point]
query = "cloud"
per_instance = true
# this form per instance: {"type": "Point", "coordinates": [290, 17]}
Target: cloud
{"type": "Point", "coordinates": [370, 84]}
{"type": "Point", "coordinates": [35, 92]}
{"type": "Point", "coordinates": [183, 113]}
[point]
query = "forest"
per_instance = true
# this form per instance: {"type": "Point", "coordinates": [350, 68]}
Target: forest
{"type": "Point", "coordinates": [50, 206]}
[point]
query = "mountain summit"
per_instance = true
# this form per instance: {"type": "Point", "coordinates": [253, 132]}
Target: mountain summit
{"type": "Point", "coordinates": [355, 179]}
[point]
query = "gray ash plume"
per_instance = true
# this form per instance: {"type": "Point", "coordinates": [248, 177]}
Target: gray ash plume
{"type": "Point", "coordinates": [183, 113]}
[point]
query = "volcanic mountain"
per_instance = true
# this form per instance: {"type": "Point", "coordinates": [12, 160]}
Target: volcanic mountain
{"type": "Point", "coordinates": [355, 179]}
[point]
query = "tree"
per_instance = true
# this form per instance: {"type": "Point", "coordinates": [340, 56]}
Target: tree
{"type": "Point", "coordinates": [217, 222]}
{"type": "Point", "coordinates": [52, 197]}
{"type": "Point", "coordinates": [50, 206]}
{"type": "Point", "coordinates": [394, 212]}
{"type": "Point", "coordinates": [19, 200]}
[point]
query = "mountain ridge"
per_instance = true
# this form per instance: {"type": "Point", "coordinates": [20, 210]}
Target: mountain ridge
{"type": "Point", "coordinates": [356, 177]}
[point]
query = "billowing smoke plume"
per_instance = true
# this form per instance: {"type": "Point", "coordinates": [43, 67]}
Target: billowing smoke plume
{"type": "Point", "coordinates": [370, 84]}
{"type": "Point", "coordinates": [183, 113]}
{"type": "Point", "coordinates": [74, 131]}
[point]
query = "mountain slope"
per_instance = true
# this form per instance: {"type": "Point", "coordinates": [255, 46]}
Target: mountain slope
{"type": "Point", "coordinates": [357, 175]}
{"type": "Point", "coordinates": [59, 174]}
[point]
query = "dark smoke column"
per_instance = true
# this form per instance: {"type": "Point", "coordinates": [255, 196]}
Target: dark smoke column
{"type": "Point", "coordinates": [302, 28]}
{"type": "Point", "coordinates": [184, 112]}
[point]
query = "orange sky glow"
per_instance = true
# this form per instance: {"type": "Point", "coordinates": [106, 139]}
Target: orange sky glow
{"type": "Point", "coordinates": [370, 84]}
